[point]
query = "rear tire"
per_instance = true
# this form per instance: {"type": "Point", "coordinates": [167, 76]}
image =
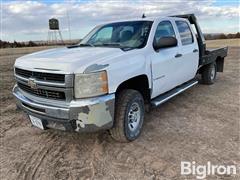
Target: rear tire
{"type": "Point", "coordinates": [209, 73]}
{"type": "Point", "coordinates": [129, 115]}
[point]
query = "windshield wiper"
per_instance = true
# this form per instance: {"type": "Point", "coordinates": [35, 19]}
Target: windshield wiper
{"type": "Point", "coordinates": [117, 45]}
{"type": "Point", "coordinates": [111, 44]}
{"type": "Point", "coordinates": [81, 45]}
{"type": "Point", "coordinates": [86, 44]}
{"type": "Point", "coordinates": [125, 48]}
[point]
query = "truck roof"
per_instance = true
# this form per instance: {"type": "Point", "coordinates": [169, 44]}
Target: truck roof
{"type": "Point", "coordinates": [144, 19]}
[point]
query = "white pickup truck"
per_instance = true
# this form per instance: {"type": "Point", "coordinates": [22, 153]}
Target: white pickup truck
{"type": "Point", "coordinates": [120, 68]}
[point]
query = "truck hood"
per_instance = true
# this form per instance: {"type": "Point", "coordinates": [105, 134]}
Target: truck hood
{"type": "Point", "coordinates": [69, 60]}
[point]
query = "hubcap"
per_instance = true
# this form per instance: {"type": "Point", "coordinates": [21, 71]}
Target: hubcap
{"type": "Point", "coordinates": [134, 116]}
{"type": "Point", "coordinates": [213, 73]}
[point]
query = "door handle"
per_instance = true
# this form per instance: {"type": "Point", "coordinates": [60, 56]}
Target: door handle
{"type": "Point", "coordinates": [178, 55]}
{"type": "Point", "coordinates": [195, 50]}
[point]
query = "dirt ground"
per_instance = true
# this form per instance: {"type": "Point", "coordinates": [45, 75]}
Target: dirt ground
{"type": "Point", "coordinates": [201, 124]}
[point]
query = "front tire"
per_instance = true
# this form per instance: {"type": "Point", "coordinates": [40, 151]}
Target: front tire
{"type": "Point", "coordinates": [209, 73]}
{"type": "Point", "coordinates": [129, 116]}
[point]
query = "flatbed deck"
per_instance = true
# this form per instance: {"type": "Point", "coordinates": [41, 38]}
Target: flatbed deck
{"type": "Point", "coordinates": [213, 54]}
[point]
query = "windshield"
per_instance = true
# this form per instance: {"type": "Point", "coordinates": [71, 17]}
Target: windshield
{"type": "Point", "coordinates": [130, 34]}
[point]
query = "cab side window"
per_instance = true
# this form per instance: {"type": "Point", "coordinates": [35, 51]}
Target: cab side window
{"type": "Point", "coordinates": [164, 29]}
{"type": "Point", "coordinates": [185, 32]}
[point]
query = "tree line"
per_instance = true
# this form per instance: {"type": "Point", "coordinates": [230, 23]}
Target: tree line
{"type": "Point", "coordinates": [15, 44]}
{"type": "Point", "coordinates": [221, 36]}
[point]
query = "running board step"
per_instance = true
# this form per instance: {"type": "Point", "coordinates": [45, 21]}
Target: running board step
{"type": "Point", "coordinates": [170, 94]}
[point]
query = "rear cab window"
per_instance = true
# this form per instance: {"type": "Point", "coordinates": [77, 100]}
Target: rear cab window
{"type": "Point", "coordinates": [184, 32]}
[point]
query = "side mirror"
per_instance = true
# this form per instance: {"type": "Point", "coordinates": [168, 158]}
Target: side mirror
{"type": "Point", "coordinates": [165, 42]}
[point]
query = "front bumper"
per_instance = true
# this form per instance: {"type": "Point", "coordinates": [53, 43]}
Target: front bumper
{"type": "Point", "coordinates": [85, 115]}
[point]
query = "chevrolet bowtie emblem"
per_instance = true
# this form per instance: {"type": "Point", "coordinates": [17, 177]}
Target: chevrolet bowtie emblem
{"type": "Point", "coordinates": [32, 83]}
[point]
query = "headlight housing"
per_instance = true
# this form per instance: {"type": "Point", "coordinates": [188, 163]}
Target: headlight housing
{"type": "Point", "coordinates": [90, 85]}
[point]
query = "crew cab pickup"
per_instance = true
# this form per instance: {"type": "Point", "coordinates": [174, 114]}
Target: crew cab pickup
{"type": "Point", "coordinates": [116, 73]}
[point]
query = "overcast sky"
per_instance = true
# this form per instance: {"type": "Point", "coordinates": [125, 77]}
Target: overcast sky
{"type": "Point", "coordinates": [28, 20]}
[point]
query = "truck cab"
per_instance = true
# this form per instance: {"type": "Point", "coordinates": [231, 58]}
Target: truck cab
{"type": "Point", "coordinates": [116, 73]}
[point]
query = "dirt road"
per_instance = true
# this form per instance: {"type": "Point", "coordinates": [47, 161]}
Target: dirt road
{"type": "Point", "coordinates": [201, 125]}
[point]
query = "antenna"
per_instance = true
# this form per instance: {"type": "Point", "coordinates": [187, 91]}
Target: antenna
{"type": "Point", "coordinates": [143, 16]}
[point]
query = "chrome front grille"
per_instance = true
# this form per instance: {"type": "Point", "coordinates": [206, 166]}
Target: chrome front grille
{"type": "Point", "coordinates": [43, 92]}
{"type": "Point", "coordinates": [45, 84]}
{"type": "Point", "coordinates": [60, 78]}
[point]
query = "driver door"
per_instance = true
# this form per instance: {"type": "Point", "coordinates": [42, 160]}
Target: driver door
{"type": "Point", "coordinates": [165, 67]}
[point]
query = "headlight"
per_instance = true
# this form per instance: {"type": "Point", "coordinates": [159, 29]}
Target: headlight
{"type": "Point", "coordinates": [89, 85]}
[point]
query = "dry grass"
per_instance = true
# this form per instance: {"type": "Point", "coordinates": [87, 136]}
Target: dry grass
{"type": "Point", "coordinates": [24, 50]}
{"type": "Point", "coordinates": [201, 125]}
{"type": "Point", "coordinates": [224, 42]}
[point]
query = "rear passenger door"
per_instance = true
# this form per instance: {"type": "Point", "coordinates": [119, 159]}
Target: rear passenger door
{"type": "Point", "coordinates": [188, 51]}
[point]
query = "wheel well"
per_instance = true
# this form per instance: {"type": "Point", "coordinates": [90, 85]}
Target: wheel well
{"type": "Point", "coordinates": [139, 83]}
{"type": "Point", "coordinates": [219, 64]}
